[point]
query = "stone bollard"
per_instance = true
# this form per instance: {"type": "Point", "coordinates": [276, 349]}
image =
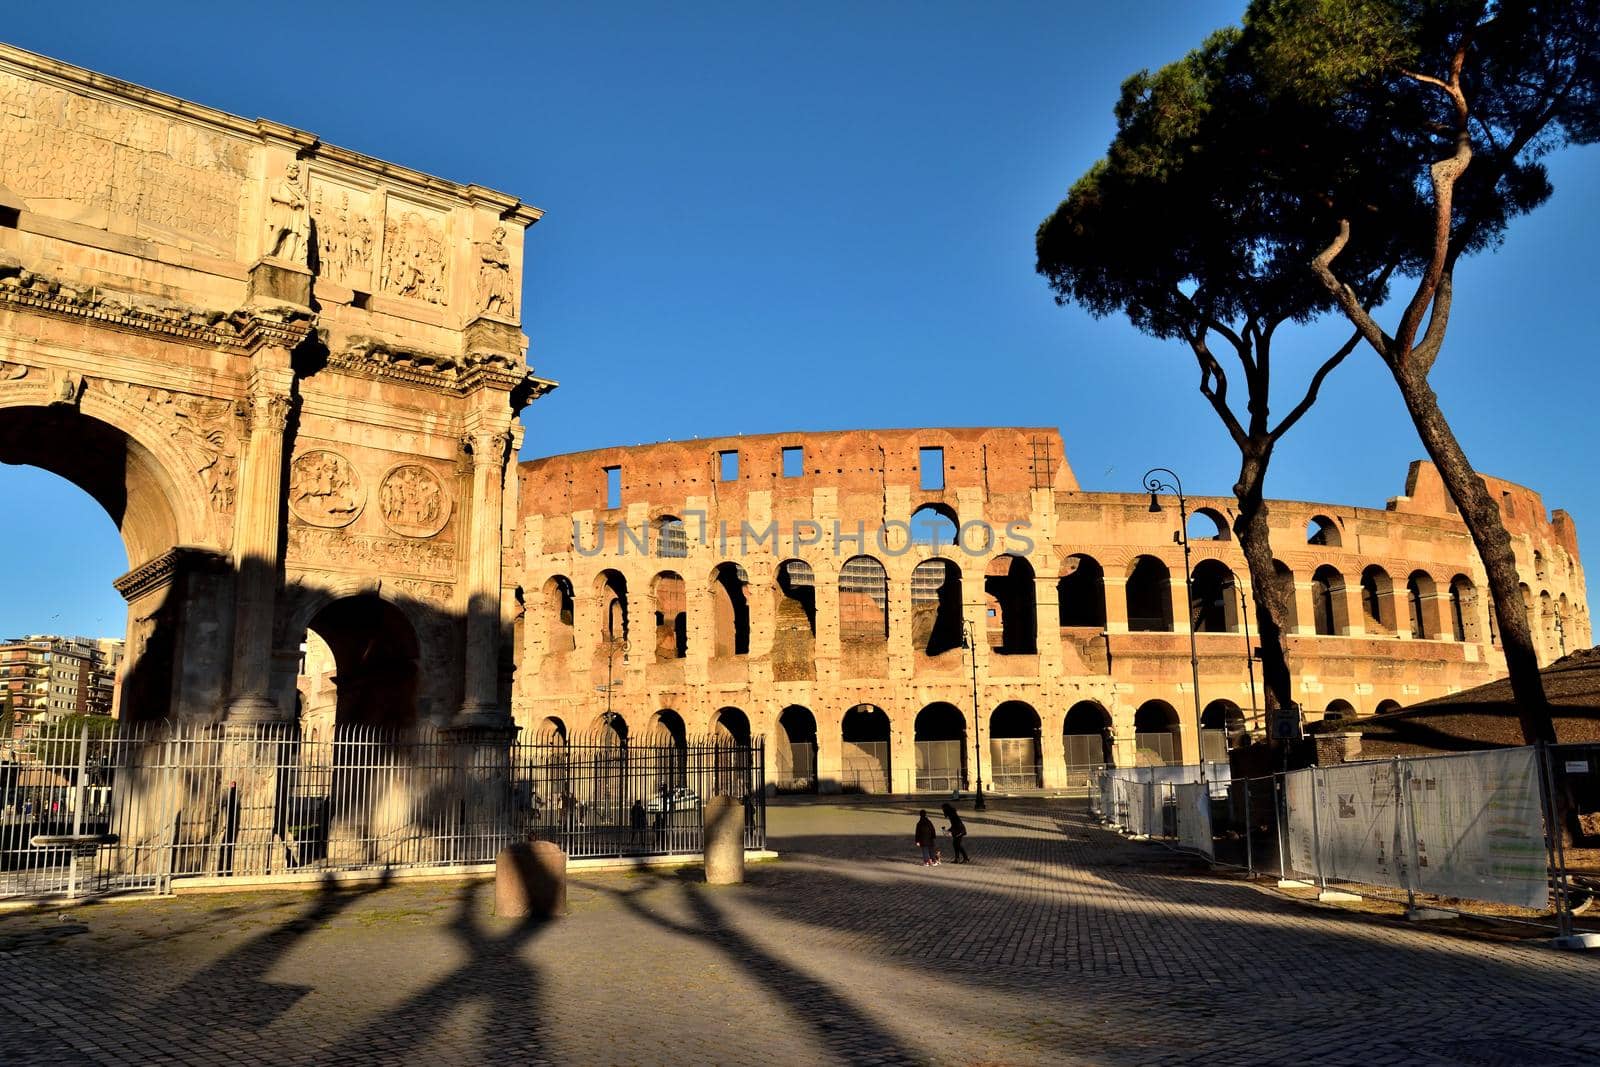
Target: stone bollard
{"type": "Point", "coordinates": [530, 881]}
{"type": "Point", "coordinates": [724, 841]}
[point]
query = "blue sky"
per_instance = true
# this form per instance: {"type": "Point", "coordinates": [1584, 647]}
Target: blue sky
{"type": "Point", "coordinates": [764, 217]}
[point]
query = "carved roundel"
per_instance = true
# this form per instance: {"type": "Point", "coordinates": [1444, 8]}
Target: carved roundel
{"type": "Point", "coordinates": [414, 501]}
{"type": "Point", "coordinates": [324, 489]}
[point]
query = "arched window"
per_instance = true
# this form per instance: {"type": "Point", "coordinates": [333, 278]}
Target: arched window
{"type": "Point", "coordinates": [1013, 620]}
{"type": "Point", "coordinates": [1081, 593]}
{"type": "Point", "coordinates": [1377, 600]}
{"type": "Point", "coordinates": [1386, 706]}
{"type": "Point", "coordinates": [794, 622]}
{"type": "Point", "coordinates": [936, 607]}
{"type": "Point", "coordinates": [1156, 734]}
{"type": "Point", "coordinates": [1329, 611]}
{"type": "Point", "coordinates": [1322, 530]}
{"type": "Point", "coordinates": [1214, 598]}
{"type": "Point", "coordinates": [1338, 710]}
{"type": "Point", "coordinates": [1538, 564]}
{"type": "Point", "coordinates": [863, 602]}
{"type": "Point", "coordinates": [558, 608]}
{"type": "Point", "coordinates": [671, 616]}
{"type": "Point", "coordinates": [1420, 590]}
{"type": "Point", "coordinates": [1207, 524]}
{"type": "Point", "coordinates": [1222, 727]}
{"type": "Point", "coordinates": [935, 525]}
{"type": "Point", "coordinates": [672, 542]}
{"type": "Point", "coordinates": [611, 595]}
{"type": "Point", "coordinates": [1149, 595]}
{"type": "Point", "coordinates": [730, 610]}
{"type": "Point", "coordinates": [1464, 609]}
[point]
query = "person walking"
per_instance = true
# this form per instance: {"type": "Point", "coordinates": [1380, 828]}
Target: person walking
{"type": "Point", "coordinates": [927, 840]}
{"type": "Point", "coordinates": [957, 831]}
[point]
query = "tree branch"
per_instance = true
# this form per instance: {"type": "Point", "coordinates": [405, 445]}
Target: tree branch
{"type": "Point", "coordinates": [1316, 384]}
{"type": "Point", "coordinates": [1346, 297]}
{"type": "Point", "coordinates": [1211, 372]}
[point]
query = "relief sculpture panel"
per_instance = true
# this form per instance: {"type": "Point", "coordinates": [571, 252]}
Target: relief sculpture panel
{"type": "Point", "coordinates": [414, 501]}
{"type": "Point", "coordinates": [76, 157]}
{"type": "Point", "coordinates": [414, 252]}
{"type": "Point", "coordinates": [325, 489]}
{"type": "Point", "coordinates": [345, 237]}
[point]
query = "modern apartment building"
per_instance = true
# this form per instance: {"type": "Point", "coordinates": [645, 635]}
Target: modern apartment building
{"type": "Point", "coordinates": [48, 676]}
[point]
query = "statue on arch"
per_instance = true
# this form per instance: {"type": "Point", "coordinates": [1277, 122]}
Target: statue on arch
{"type": "Point", "coordinates": [495, 294]}
{"type": "Point", "coordinates": [286, 217]}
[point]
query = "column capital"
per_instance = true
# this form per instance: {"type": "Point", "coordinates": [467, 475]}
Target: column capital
{"type": "Point", "coordinates": [486, 446]}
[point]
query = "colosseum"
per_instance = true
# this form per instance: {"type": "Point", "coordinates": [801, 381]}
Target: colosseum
{"type": "Point", "coordinates": [887, 608]}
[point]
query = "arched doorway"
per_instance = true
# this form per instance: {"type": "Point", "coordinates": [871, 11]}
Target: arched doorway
{"type": "Point", "coordinates": [1222, 727]}
{"type": "Point", "coordinates": [1157, 738]}
{"type": "Point", "coordinates": [358, 667]}
{"type": "Point", "coordinates": [1086, 737]}
{"type": "Point", "coordinates": [1014, 747]}
{"type": "Point", "coordinates": [179, 596]}
{"type": "Point", "coordinates": [795, 751]}
{"type": "Point", "coordinates": [668, 741]}
{"type": "Point", "coordinates": [1339, 710]}
{"type": "Point", "coordinates": [940, 737]}
{"type": "Point", "coordinates": [864, 766]}
{"type": "Point", "coordinates": [731, 726]}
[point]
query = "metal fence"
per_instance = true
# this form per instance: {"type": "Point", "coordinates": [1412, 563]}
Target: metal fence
{"type": "Point", "coordinates": [1517, 826]}
{"type": "Point", "coordinates": [145, 805]}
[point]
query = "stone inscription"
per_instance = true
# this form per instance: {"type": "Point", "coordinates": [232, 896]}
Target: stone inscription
{"type": "Point", "coordinates": [324, 489]}
{"type": "Point", "coordinates": [340, 550]}
{"type": "Point", "coordinates": [413, 500]}
{"type": "Point", "coordinates": [86, 159]}
{"type": "Point", "coordinates": [413, 255]}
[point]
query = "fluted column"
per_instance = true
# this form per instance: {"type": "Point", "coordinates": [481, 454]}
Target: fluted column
{"type": "Point", "coordinates": [255, 548]}
{"type": "Point", "coordinates": [481, 704]}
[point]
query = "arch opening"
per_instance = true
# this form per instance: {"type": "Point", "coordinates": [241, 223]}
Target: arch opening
{"type": "Point", "coordinates": [795, 751]}
{"type": "Point", "coordinates": [1081, 593]}
{"type": "Point", "coordinates": [1377, 601]}
{"type": "Point", "coordinates": [864, 766]}
{"type": "Point", "coordinates": [1157, 736]}
{"type": "Point", "coordinates": [730, 611]}
{"type": "Point", "coordinates": [1149, 596]}
{"type": "Point", "coordinates": [794, 636]}
{"type": "Point", "coordinates": [1014, 748]}
{"type": "Point", "coordinates": [1329, 611]}
{"type": "Point", "coordinates": [1087, 737]}
{"type": "Point", "coordinates": [668, 591]}
{"type": "Point", "coordinates": [1012, 613]}
{"type": "Point", "coordinates": [358, 667]}
{"type": "Point", "coordinates": [1214, 598]}
{"type": "Point", "coordinates": [936, 622]}
{"type": "Point", "coordinates": [935, 525]}
{"type": "Point", "coordinates": [940, 739]}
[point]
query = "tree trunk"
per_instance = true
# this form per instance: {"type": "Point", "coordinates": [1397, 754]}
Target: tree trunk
{"type": "Point", "coordinates": [1251, 529]}
{"type": "Point", "coordinates": [1481, 514]}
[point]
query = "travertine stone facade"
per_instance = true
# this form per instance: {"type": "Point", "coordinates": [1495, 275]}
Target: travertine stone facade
{"type": "Point", "coordinates": [290, 372]}
{"type": "Point", "coordinates": [1078, 602]}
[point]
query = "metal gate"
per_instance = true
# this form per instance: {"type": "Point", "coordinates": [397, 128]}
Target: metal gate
{"type": "Point", "coordinates": [941, 766]}
{"type": "Point", "coordinates": [1085, 758]}
{"type": "Point", "coordinates": [1015, 761]}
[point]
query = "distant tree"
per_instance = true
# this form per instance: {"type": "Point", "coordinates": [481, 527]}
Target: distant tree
{"type": "Point", "coordinates": [1193, 226]}
{"type": "Point", "coordinates": [1454, 103]}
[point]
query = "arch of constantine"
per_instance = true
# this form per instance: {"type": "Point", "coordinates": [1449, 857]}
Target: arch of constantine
{"type": "Point", "coordinates": [292, 375]}
{"type": "Point", "coordinates": [289, 372]}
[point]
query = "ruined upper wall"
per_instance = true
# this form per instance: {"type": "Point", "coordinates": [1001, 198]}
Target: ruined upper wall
{"type": "Point", "coordinates": [172, 201]}
{"type": "Point", "coordinates": [995, 460]}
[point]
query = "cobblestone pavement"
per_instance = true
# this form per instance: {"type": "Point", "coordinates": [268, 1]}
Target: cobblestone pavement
{"type": "Point", "coordinates": [1059, 944]}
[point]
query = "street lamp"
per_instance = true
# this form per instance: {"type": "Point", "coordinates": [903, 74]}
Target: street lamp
{"type": "Point", "coordinates": [970, 644]}
{"type": "Point", "coordinates": [1154, 485]}
{"type": "Point", "coordinates": [1249, 655]}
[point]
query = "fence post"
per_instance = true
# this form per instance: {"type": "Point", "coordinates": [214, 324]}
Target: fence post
{"type": "Point", "coordinates": [77, 810]}
{"type": "Point", "coordinates": [1316, 831]}
{"type": "Point", "coordinates": [1555, 847]}
{"type": "Point", "coordinates": [1249, 852]}
{"type": "Point", "coordinates": [1281, 810]}
{"type": "Point", "coordinates": [1402, 802]}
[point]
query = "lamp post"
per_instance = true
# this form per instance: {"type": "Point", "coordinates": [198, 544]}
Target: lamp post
{"type": "Point", "coordinates": [971, 645]}
{"type": "Point", "coordinates": [1154, 485]}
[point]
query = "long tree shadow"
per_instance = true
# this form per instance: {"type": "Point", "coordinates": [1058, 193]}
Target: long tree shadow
{"type": "Point", "coordinates": [495, 973]}
{"type": "Point", "coordinates": [849, 1034]}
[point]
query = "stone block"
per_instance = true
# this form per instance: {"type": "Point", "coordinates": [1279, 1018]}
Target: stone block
{"type": "Point", "coordinates": [724, 841]}
{"type": "Point", "coordinates": [530, 881]}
